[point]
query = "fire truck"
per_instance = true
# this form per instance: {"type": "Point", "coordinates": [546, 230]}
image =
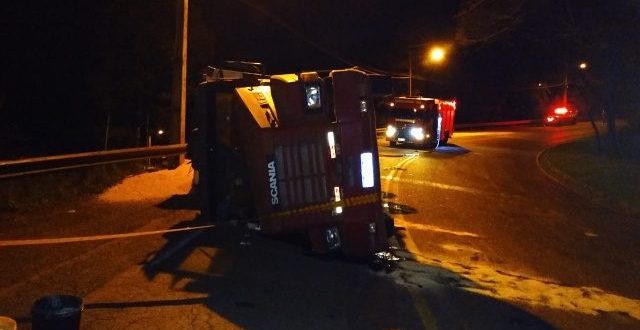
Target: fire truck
{"type": "Point", "coordinates": [304, 149]}
{"type": "Point", "coordinates": [420, 121]}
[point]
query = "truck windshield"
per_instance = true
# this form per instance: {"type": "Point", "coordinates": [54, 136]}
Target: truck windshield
{"type": "Point", "coordinates": [406, 113]}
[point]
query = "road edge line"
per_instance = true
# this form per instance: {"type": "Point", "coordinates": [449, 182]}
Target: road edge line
{"type": "Point", "coordinates": [427, 318]}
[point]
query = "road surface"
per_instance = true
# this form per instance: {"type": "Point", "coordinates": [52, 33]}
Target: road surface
{"type": "Point", "coordinates": [487, 241]}
{"type": "Point", "coordinates": [482, 210]}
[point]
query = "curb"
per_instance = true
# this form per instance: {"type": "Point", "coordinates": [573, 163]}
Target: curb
{"type": "Point", "coordinates": [579, 188]}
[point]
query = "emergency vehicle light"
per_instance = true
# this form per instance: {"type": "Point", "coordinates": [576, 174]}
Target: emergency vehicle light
{"type": "Point", "coordinates": [366, 169]}
{"type": "Point", "coordinates": [560, 111]}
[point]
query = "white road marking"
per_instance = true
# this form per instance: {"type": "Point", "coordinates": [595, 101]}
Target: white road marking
{"type": "Point", "coordinates": [420, 226]}
{"type": "Point", "coordinates": [63, 240]}
{"type": "Point", "coordinates": [426, 316]}
{"type": "Point", "coordinates": [474, 191]}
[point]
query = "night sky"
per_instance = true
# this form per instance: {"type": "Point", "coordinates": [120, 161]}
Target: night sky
{"type": "Point", "coordinates": [70, 65]}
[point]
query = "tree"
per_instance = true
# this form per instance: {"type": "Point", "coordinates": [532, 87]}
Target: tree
{"type": "Point", "coordinates": [565, 32]}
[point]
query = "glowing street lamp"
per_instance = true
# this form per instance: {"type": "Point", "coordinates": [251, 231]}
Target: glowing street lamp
{"type": "Point", "coordinates": [583, 65]}
{"type": "Point", "coordinates": [436, 55]}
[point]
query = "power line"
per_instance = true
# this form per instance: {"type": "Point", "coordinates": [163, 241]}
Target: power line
{"type": "Point", "coordinates": [323, 49]}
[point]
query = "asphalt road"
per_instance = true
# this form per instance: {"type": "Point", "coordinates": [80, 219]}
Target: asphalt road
{"type": "Point", "coordinates": [480, 214]}
{"type": "Point", "coordinates": [487, 241]}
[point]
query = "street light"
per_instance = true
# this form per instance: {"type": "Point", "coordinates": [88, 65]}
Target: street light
{"type": "Point", "coordinates": [583, 65]}
{"type": "Point", "coordinates": [436, 55]}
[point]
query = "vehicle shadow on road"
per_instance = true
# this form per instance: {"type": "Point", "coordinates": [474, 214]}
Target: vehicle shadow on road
{"type": "Point", "coordinates": [448, 150]}
{"type": "Point", "coordinates": [252, 281]}
{"type": "Point", "coordinates": [451, 300]}
{"type": "Point", "coordinates": [181, 202]}
{"type": "Point", "coordinates": [443, 295]}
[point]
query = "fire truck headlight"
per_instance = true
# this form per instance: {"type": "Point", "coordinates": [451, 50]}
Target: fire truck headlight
{"type": "Point", "coordinates": [332, 237]}
{"type": "Point", "coordinates": [391, 131]}
{"type": "Point", "coordinates": [417, 133]}
{"type": "Point", "coordinates": [366, 168]}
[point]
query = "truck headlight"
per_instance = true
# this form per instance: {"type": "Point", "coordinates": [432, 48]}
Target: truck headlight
{"type": "Point", "coordinates": [313, 97]}
{"type": "Point", "coordinates": [332, 237]}
{"type": "Point", "coordinates": [391, 131]}
{"type": "Point", "coordinates": [417, 133]}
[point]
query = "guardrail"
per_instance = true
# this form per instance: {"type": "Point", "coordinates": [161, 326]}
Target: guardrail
{"type": "Point", "coordinates": [20, 167]}
{"type": "Point", "coordinates": [498, 124]}
{"type": "Point", "coordinates": [482, 125]}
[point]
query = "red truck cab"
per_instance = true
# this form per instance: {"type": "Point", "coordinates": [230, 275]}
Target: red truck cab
{"type": "Point", "coordinates": [309, 147]}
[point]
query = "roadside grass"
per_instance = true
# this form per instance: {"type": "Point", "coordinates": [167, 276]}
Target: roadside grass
{"type": "Point", "coordinates": [40, 190]}
{"type": "Point", "coordinates": [612, 179]}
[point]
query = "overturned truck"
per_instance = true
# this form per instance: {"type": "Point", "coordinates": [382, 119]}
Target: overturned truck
{"type": "Point", "coordinates": [294, 153]}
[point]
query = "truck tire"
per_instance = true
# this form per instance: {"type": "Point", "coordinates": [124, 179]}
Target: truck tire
{"type": "Point", "coordinates": [446, 139]}
{"type": "Point", "coordinates": [392, 143]}
{"type": "Point", "coordinates": [389, 224]}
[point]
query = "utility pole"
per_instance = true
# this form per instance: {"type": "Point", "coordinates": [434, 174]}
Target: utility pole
{"type": "Point", "coordinates": [566, 90]}
{"type": "Point", "coordinates": [106, 131]}
{"type": "Point", "coordinates": [179, 94]}
{"type": "Point", "coordinates": [410, 72]}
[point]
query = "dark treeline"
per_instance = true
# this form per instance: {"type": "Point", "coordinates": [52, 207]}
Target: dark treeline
{"type": "Point", "coordinates": [521, 43]}
{"type": "Point", "coordinates": [69, 68]}
{"type": "Point", "coordinates": [72, 69]}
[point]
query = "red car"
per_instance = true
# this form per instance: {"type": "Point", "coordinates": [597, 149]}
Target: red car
{"type": "Point", "coordinates": [559, 115]}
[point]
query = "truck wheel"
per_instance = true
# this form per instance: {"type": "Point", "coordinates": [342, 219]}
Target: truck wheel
{"type": "Point", "coordinates": [392, 143]}
{"type": "Point", "coordinates": [445, 140]}
{"type": "Point", "coordinates": [389, 224]}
